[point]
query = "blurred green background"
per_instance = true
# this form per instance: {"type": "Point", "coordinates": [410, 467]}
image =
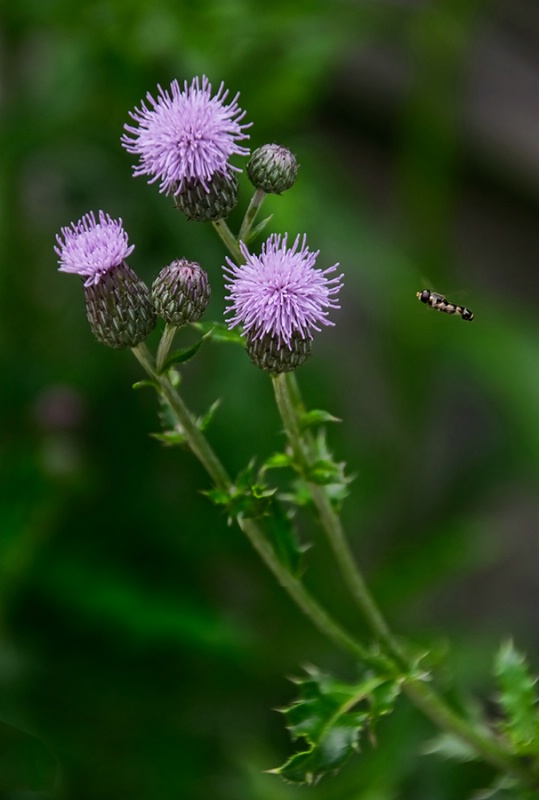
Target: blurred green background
{"type": "Point", "coordinates": [143, 646]}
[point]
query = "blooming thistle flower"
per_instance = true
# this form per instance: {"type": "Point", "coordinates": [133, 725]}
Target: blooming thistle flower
{"type": "Point", "coordinates": [186, 136]}
{"type": "Point", "coordinates": [90, 248]}
{"type": "Point", "coordinates": [118, 304]}
{"type": "Point", "coordinates": [280, 298]}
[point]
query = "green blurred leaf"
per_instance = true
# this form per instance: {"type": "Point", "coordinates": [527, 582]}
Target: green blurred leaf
{"type": "Point", "coordinates": [219, 332]}
{"type": "Point", "coordinates": [278, 461]}
{"type": "Point", "coordinates": [170, 438]}
{"type": "Point", "coordinates": [173, 435]}
{"type": "Point", "coordinates": [450, 747]}
{"type": "Point", "coordinates": [111, 599]}
{"type": "Point", "coordinates": [205, 420]}
{"type": "Point", "coordinates": [316, 417]}
{"type": "Point", "coordinates": [145, 384]}
{"type": "Point", "coordinates": [324, 471]}
{"type": "Point", "coordinates": [518, 698]}
{"type": "Point", "coordinates": [327, 718]}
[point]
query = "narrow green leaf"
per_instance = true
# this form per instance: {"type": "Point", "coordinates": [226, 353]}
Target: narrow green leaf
{"type": "Point", "coordinates": [219, 332]}
{"type": "Point", "coordinates": [316, 417]}
{"type": "Point", "coordinates": [205, 420]}
{"type": "Point", "coordinates": [278, 461]}
{"type": "Point", "coordinates": [170, 438]}
{"type": "Point", "coordinates": [518, 699]}
{"type": "Point", "coordinates": [182, 355]}
{"type": "Point", "coordinates": [450, 747]}
{"type": "Point", "coordinates": [144, 384]}
{"type": "Point", "coordinates": [218, 496]}
{"type": "Point", "coordinates": [258, 229]}
{"type": "Point", "coordinates": [327, 717]}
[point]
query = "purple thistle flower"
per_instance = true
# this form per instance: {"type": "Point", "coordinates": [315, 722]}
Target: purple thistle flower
{"type": "Point", "coordinates": [186, 135]}
{"type": "Point", "coordinates": [279, 292]}
{"type": "Point", "coordinates": [90, 249]}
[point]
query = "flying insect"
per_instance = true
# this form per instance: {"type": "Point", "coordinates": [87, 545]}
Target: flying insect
{"type": "Point", "coordinates": [440, 303]}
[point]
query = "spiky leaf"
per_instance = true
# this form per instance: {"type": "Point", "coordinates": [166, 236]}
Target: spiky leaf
{"type": "Point", "coordinates": [518, 699]}
{"type": "Point", "coordinates": [250, 497]}
{"type": "Point", "coordinates": [331, 716]}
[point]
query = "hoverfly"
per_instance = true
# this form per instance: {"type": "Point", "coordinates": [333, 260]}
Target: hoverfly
{"type": "Point", "coordinates": [439, 302]}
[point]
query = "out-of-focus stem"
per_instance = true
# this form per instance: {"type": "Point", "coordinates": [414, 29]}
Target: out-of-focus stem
{"type": "Point", "coordinates": [250, 215]}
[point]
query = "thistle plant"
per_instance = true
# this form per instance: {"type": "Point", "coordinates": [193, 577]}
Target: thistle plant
{"type": "Point", "coordinates": [280, 296]}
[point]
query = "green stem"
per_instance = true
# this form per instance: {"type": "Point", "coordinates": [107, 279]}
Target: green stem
{"type": "Point", "coordinates": [254, 207]}
{"type": "Point", "coordinates": [306, 602]}
{"type": "Point", "coordinates": [164, 345]}
{"type": "Point", "coordinates": [205, 454]}
{"type": "Point", "coordinates": [195, 439]}
{"type": "Point", "coordinates": [229, 240]}
{"type": "Point", "coordinates": [332, 524]}
{"type": "Point", "coordinates": [434, 707]}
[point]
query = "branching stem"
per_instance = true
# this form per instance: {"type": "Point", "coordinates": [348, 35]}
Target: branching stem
{"type": "Point", "coordinates": [422, 695]}
{"type": "Point", "coordinates": [201, 448]}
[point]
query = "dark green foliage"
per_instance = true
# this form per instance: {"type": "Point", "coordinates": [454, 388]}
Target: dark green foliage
{"type": "Point", "coordinates": [518, 699]}
{"type": "Point", "coordinates": [251, 497]}
{"type": "Point", "coordinates": [332, 716]}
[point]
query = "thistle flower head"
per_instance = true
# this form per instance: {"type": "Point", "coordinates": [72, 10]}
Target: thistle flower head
{"type": "Point", "coordinates": [185, 135]}
{"type": "Point", "coordinates": [90, 249]}
{"type": "Point", "coordinates": [280, 292]}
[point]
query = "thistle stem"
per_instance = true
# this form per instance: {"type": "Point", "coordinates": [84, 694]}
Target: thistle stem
{"type": "Point", "coordinates": [229, 240]}
{"type": "Point", "coordinates": [213, 466]}
{"type": "Point", "coordinates": [250, 215]}
{"type": "Point", "coordinates": [331, 523]}
{"type": "Point", "coordinates": [164, 345]}
{"type": "Point", "coordinates": [434, 707]}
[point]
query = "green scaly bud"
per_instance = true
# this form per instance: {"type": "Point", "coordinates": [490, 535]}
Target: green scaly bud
{"type": "Point", "coordinates": [181, 292]}
{"type": "Point", "coordinates": [272, 168]}
{"type": "Point", "coordinates": [119, 308]}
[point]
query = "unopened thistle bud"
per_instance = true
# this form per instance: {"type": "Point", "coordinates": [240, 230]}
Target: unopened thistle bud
{"type": "Point", "coordinates": [273, 355]}
{"type": "Point", "coordinates": [119, 308]}
{"type": "Point", "coordinates": [272, 168]}
{"type": "Point", "coordinates": [210, 202]}
{"type": "Point", "coordinates": [118, 302]}
{"type": "Point", "coordinates": [181, 292]}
